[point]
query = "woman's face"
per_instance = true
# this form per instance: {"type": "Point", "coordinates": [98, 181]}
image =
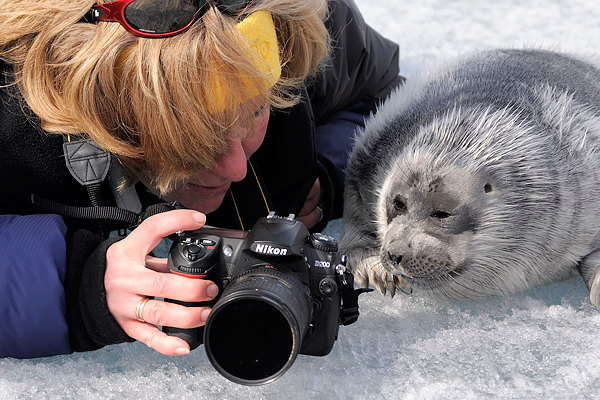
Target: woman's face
{"type": "Point", "coordinates": [205, 190]}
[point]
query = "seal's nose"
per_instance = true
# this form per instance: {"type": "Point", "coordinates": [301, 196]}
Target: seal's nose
{"type": "Point", "coordinates": [394, 258]}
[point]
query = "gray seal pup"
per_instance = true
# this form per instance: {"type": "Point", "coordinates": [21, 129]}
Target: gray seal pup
{"type": "Point", "coordinates": [480, 178]}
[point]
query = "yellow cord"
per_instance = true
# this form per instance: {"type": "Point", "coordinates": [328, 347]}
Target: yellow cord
{"type": "Point", "coordinates": [260, 187]}
{"type": "Point", "coordinates": [236, 209]}
{"type": "Point", "coordinates": [261, 192]}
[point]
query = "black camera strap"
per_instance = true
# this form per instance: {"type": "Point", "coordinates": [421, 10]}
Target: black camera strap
{"type": "Point", "coordinates": [89, 165]}
{"type": "Point", "coordinates": [350, 313]}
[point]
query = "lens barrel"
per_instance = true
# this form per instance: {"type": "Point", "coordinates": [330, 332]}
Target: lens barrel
{"type": "Point", "coordinates": [255, 331]}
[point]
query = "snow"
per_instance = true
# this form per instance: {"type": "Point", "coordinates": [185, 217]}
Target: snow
{"type": "Point", "coordinates": [543, 344]}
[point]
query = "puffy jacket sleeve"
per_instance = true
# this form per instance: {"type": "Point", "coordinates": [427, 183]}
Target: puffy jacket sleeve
{"type": "Point", "coordinates": [334, 141]}
{"type": "Point", "coordinates": [32, 273]}
{"type": "Point", "coordinates": [52, 283]}
{"type": "Point", "coordinates": [361, 72]}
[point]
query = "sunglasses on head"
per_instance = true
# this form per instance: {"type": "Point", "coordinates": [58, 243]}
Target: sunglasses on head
{"type": "Point", "coordinates": [159, 18]}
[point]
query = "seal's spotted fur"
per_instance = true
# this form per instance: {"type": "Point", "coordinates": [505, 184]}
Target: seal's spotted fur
{"type": "Point", "coordinates": [480, 178]}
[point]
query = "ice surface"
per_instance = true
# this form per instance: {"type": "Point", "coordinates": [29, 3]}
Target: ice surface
{"type": "Point", "coordinates": [544, 344]}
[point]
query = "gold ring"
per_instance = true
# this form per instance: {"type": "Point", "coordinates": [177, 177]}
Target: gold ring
{"type": "Point", "coordinates": [139, 311]}
{"type": "Point", "coordinates": [320, 214]}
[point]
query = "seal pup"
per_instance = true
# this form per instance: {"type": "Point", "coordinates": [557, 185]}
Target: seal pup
{"type": "Point", "coordinates": [480, 178]}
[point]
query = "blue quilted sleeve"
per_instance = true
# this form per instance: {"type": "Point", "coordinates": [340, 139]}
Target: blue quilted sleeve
{"type": "Point", "coordinates": [32, 296]}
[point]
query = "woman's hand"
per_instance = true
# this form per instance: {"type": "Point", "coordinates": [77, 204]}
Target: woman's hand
{"type": "Point", "coordinates": [131, 274]}
{"type": "Point", "coordinates": [312, 213]}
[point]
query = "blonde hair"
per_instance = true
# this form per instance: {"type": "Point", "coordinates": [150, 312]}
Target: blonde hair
{"type": "Point", "coordinates": [146, 100]}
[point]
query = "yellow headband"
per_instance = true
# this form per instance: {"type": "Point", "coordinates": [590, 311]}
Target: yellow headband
{"type": "Point", "coordinates": [259, 31]}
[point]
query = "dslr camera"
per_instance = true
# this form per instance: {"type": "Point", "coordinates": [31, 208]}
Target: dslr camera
{"type": "Point", "coordinates": [283, 292]}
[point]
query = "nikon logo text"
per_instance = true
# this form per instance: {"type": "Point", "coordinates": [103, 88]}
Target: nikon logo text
{"type": "Point", "coordinates": [270, 250]}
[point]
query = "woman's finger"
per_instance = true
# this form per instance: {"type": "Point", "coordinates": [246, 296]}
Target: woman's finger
{"type": "Point", "coordinates": [313, 199]}
{"type": "Point", "coordinates": [156, 284]}
{"type": "Point", "coordinates": [156, 264]}
{"type": "Point", "coordinates": [163, 313]}
{"type": "Point", "coordinates": [312, 218]}
{"type": "Point", "coordinates": [152, 230]}
{"type": "Point", "coordinates": [154, 338]}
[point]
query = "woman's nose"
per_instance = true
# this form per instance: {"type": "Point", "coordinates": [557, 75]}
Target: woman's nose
{"type": "Point", "coordinates": [232, 165]}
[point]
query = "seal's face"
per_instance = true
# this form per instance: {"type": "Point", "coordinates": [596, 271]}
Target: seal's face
{"type": "Point", "coordinates": [427, 218]}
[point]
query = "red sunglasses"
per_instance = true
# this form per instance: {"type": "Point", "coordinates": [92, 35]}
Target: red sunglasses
{"type": "Point", "coordinates": [159, 18]}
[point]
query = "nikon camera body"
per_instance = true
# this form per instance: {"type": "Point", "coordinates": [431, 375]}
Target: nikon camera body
{"type": "Point", "coordinates": [283, 292]}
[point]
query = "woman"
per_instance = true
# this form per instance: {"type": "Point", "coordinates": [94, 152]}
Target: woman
{"type": "Point", "coordinates": [231, 108]}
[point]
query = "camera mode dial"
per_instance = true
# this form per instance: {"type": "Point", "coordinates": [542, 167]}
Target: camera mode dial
{"type": "Point", "coordinates": [323, 242]}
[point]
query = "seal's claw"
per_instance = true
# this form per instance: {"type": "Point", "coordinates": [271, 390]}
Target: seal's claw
{"type": "Point", "coordinates": [595, 291]}
{"type": "Point", "coordinates": [382, 280]}
{"type": "Point", "coordinates": [392, 288]}
{"type": "Point", "coordinates": [382, 289]}
{"type": "Point", "coordinates": [378, 281]}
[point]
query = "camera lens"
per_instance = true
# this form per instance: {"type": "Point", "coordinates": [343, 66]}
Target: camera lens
{"type": "Point", "coordinates": [256, 329]}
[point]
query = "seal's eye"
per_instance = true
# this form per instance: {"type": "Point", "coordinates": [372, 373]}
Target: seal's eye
{"type": "Point", "coordinates": [399, 205]}
{"type": "Point", "coordinates": [487, 188]}
{"type": "Point", "coordinates": [395, 208]}
{"type": "Point", "coordinates": [440, 214]}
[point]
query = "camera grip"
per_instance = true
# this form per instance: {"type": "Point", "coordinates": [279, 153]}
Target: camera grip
{"type": "Point", "coordinates": [193, 336]}
{"type": "Point", "coordinates": [192, 256]}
